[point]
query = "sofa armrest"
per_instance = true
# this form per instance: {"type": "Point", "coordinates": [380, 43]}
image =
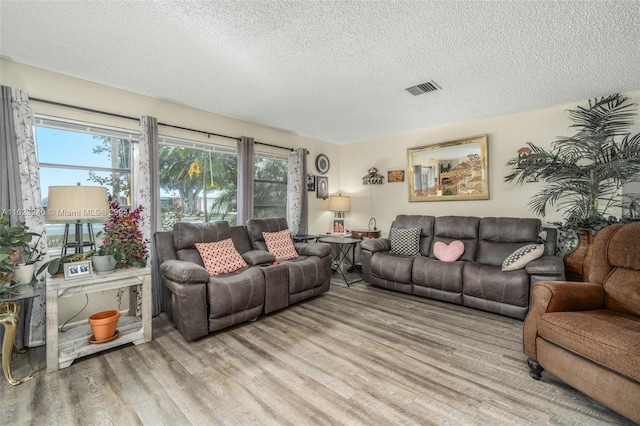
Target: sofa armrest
{"type": "Point", "coordinates": [546, 265]}
{"type": "Point", "coordinates": [257, 257]}
{"type": "Point", "coordinates": [558, 296]}
{"type": "Point", "coordinates": [375, 244]}
{"type": "Point", "coordinates": [183, 272]}
{"type": "Point", "coordinates": [313, 249]}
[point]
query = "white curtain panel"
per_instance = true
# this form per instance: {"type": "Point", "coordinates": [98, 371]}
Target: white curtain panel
{"type": "Point", "coordinates": [24, 120]}
{"type": "Point", "coordinates": [297, 192]}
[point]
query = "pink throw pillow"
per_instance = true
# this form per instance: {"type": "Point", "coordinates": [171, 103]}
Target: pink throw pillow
{"type": "Point", "coordinates": [220, 257]}
{"type": "Point", "coordinates": [450, 252]}
{"type": "Point", "coordinates": [280, 244]}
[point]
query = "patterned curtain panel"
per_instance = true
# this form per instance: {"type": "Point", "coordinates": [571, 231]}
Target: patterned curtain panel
{"type": "Point", "coordinates": [245, 179]}
{"type": "Point", "coordinates": [297, 207]}
{"type": "Point", "coordinates": [21, 193]}
{"type": "Point", "coordinates": [148, 184]}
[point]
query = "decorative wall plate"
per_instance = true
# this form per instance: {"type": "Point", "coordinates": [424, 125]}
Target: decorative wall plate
{"type": "Point", "coordinates": [322, 164]}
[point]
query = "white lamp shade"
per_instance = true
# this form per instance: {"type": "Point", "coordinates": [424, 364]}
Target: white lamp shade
{"type": "Point", "coordinates": [339, 203]}
{"type": "Point", "coordinates": [71, 203]}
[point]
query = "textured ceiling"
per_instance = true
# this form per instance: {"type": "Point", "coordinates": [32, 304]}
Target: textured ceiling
{"type": "Point", "coordinates": [337, 70]}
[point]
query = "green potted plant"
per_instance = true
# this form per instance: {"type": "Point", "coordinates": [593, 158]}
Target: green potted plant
{"type": "Point", "coordinates": [107, 255]}
{"type": "Point", "coordinates": [15, 243]}
{"type": "Point", "coordinates": [584, 173]}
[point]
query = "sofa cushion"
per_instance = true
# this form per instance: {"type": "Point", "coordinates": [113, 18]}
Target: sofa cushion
{"type": "Point", "coordinates": [392, 267]}
{"type": "Point", "coordinates": [425, 223]}
{"type": "Point", "coordinates": [500, 236]}
{"type": "Point", "coordinates": [490, 283]}
{"type": "Point", "coordinates": [522, 256]}
{"type": "Point", "coordinates": [280, 244]}
{"type": "Point", "coordinates": [438, 280]}
{"type": "Point", "coordinates": [448, 252]}
{"type": "Point", "coordinates": [606, 337]}
{"type": "Point", "coordinates": [220, 257]}
{"type": "Point", "coordinates": [463, 228]}
{"type": "Point", "coordinates": [405, 242]}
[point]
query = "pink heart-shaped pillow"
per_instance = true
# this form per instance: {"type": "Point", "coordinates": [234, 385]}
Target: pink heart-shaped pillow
{"type": "Point", "coordinates": [450, 252]}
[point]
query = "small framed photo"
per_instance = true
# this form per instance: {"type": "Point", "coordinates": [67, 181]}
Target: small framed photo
{"type": "Point", "coordinates": [322, 187]}
{"type": "Point", "coordinates": [77, 269]}
{"type": "Point", "coordinates": [311, 183]}
{"type": "Point", "coordinates": [338, 226]}
{"type": "Point", "coordinates": [395, 176]}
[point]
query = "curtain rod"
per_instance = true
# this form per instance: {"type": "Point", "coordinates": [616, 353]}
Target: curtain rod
{"type": "Point", "coordinates": [44, 101]}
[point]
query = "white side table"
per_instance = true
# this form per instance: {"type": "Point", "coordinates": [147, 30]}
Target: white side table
{"type": "Point", "coordinates": [64, 348]}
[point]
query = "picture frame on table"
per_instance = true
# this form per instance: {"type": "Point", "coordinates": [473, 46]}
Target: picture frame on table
{"type": "Point", "coordinates": [338, 226]}
{"type": "Point", "coordinates": [74, 270]}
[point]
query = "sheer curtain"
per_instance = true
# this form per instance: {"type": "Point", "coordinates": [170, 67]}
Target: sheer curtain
{"type": "Point", "coordinates": [148, 185]}
{"type": "Point", "coordinates": [245, 179]}
{"type": "Point", "coordinates": [20, 190]}
{"type": "Point", "coordinates": [297, 207]}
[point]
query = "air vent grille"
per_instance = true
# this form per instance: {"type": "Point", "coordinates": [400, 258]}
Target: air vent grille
{"type": "Point", "coordinates": [423, 88]}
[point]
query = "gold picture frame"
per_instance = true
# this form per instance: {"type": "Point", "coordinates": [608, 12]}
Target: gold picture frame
{"type": "Point", "coordinates": [449, 171]}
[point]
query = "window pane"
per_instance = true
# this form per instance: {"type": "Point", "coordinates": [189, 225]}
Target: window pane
{"type": "Point", "coordinates": [270, 187]}
{"type": "Point", "coordinates": [192, 178]}
{"type": "Point", "coordinates": [70, 157]}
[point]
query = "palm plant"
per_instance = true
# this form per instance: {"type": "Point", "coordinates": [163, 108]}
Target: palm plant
{"type": "Point", "coordinates": [584, 173]}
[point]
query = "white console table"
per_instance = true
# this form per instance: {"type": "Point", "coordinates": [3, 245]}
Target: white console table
{"type": "Point", "coordinates": [64, 348]}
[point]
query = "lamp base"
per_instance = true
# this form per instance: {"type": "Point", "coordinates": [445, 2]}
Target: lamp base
{"type": "Point", "coordinates": [79, 244]}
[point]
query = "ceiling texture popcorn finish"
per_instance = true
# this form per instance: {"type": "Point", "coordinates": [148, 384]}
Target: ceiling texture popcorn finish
{"type": "Point", "coordinates": [337, 70]}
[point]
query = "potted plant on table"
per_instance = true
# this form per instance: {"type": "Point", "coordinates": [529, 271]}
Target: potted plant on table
{"type": "Point", "coordinates": [584, 173]}
{"type": "Point", "coordinates": [16, 244]}
{"type": "Point", "coordinates": [122, 238]}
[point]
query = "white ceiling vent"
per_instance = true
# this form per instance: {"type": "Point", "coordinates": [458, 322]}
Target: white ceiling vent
{"type": "Point", "coordinates": [423, 88]}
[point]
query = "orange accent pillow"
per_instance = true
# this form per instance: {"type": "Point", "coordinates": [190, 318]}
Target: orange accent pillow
{"type": "Point", "coordinates": [220, 257]}
{"type": "Point", "coordinates": [280, 244]}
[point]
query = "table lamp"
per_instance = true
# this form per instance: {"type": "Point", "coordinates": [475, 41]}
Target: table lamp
{"type": "Point", "coordinates": [78, 205]}
{"type": "Point", "coordinates": [339, 205]}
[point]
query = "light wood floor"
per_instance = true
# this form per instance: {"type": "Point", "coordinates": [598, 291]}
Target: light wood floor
{"type": "Point", "coordinates": [354, 356]}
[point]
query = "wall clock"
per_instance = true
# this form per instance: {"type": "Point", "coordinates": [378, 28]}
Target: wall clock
{"type": "Point", "coordinates": [322, 164]}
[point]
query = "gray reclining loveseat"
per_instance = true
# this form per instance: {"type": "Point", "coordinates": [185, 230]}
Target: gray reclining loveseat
{"type": "Point", "coordinates": [198, 303]}
{"type": "Point", "coordinates": [476, 279]}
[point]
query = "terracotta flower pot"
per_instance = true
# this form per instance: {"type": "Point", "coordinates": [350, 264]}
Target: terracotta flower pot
{"type": "Point", "coordinates": [104, 324]}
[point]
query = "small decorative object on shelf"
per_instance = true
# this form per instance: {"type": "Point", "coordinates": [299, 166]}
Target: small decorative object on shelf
{"type": "Point", "coordinates": [373, 178]}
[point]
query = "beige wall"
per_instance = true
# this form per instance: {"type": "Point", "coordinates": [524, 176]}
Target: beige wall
{"type": "Point", "coordinates": [506, 134]}
{"type": "Point", "coordinates": [51, 86]}
{"type": "Point", "coordinates": [349, 163]}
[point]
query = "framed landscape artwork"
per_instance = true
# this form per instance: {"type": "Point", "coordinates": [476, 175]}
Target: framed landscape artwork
{"type": "Point", "coordinates": [449, 171]}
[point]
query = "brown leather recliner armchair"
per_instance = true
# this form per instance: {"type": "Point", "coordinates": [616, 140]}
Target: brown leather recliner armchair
{"type": "Point", "coordinates": [588, 333]}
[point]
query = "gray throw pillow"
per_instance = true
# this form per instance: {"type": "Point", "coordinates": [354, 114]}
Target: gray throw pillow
{"type": "Point", "coordinates": [405, 242]}
{"type": "Point", "coordinates": [519, 258]}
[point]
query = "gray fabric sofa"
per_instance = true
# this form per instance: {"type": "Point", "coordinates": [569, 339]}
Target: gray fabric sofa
{"type": "Point", "coordinates": [198, 304]}
{"type": "Point", "coordinates": [476, 279]}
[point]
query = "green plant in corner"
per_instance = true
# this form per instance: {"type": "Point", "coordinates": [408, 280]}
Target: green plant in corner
{"type": "Point", "coordinates": [584, 173]}
{"type": "Point", "coordinates": [16, 243]}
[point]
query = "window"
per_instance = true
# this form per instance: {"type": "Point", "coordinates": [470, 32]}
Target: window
{"type": "Point", "coordinates": [198, 182]}
{"type": "Point", "coordinates": [270, 186]}
{"type": "Point", "coordinates": [72, 153]}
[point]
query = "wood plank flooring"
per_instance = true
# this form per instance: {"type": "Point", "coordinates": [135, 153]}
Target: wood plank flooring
{"type": "Point", "coordinates": [353, 356]}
